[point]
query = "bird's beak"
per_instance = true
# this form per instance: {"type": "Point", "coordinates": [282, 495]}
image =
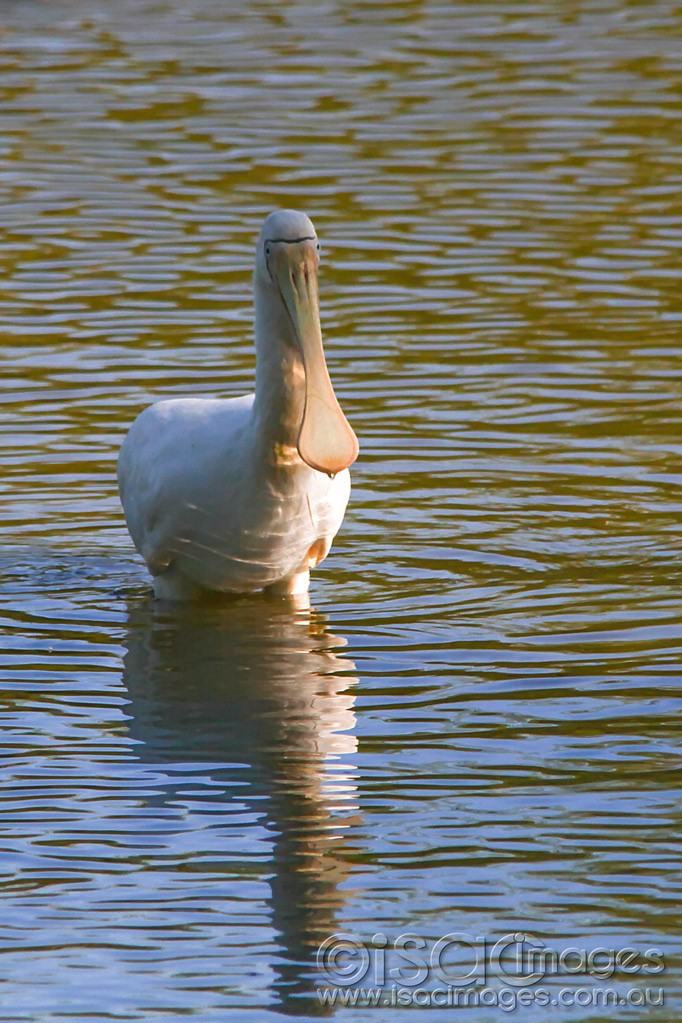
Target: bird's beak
{"type": "Point", "coordinates": [326, 441]}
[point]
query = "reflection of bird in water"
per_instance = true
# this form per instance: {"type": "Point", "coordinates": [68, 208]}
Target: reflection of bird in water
{"type": "Point", "coordinates": [259, 694]}
{"type": "Point", "coordinates": [241, 494]}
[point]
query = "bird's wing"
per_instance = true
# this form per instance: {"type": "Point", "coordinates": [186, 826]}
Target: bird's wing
{"type": "Point", "coordinates": [170, 453]}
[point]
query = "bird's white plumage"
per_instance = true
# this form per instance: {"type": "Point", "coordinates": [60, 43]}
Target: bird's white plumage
{"type": "Point", "coordinates": [216, 493]}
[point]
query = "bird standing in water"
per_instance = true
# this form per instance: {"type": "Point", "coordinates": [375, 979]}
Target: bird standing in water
{"type": "Point", "coordinates": [244, 494]}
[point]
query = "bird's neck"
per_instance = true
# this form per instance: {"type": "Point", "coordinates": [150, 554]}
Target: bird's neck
{"type": "Point", "coordinates": [280, 379]}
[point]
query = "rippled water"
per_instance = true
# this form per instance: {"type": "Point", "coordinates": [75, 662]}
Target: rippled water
{"type": "Point", "coordinates": [474, 730]}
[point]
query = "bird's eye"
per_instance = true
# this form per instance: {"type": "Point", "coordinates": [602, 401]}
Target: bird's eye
{"type": "Point", "coordinates": [318, 246]}
{"type": "Point", "coordinates": [268, 250]}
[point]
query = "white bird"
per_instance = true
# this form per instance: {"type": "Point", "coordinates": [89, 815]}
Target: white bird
{"type": "Point", "coordinates": [243, 494]}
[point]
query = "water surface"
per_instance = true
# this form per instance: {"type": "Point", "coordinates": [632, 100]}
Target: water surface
{"type": "Point", "coordinates": [474, 727]}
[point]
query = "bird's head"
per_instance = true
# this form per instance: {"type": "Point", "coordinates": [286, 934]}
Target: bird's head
{"type": "Point", "coordinates": [287, 258]}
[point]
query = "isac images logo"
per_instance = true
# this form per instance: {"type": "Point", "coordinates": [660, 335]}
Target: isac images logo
{"type": "Point", "coordinates": [465, 969]}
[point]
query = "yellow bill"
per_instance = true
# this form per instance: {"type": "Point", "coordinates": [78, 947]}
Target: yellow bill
{"type": "Point", "coordinates": [326, 440]}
